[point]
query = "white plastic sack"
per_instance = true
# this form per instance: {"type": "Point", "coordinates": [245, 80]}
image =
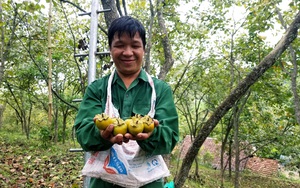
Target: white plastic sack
{"type": "Point", "coordinates": [126, 165]}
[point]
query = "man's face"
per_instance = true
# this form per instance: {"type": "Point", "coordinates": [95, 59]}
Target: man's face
{"type": "Point", "coordinates": [127, 53]}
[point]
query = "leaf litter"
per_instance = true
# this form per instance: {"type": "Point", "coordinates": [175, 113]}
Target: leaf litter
{"type": "Point", "coordinates": [22, 166]}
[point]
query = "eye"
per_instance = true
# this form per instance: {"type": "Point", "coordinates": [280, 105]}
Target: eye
{"type": "Point", "coordinates": [118, 46]}
{"type": "Point", "coordinates": [136, 46]}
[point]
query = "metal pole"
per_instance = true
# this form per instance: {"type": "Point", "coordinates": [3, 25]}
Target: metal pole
{"type": "Point", "coordinates": [92, 63]}
{"type": "Point", "coordinates": [93, 42]}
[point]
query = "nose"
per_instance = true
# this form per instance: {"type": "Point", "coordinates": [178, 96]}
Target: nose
{"type": "Point", "coordinates": [127, 51]}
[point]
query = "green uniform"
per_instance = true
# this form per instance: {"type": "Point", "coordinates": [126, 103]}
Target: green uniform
{"type": "Point", "coordinates": [134, 100]}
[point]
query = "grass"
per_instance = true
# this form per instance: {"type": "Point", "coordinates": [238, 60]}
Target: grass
{"type": "Point", "coordinates": [32, 163]}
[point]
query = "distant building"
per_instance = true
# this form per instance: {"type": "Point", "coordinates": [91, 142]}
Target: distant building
{"type": "Point", "coordinates": [267, 167]}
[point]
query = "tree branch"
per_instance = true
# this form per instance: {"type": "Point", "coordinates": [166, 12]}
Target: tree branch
{"type": "Point", "coordinates": [64, 1]}
{"type": "Point", "coordinates": [124, 6]}
{"type": "Point", "coordinates": [118, 7]}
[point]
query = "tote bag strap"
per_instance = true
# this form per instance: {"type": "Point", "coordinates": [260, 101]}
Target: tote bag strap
{"type": "Point", "coordinates": [113, 112]}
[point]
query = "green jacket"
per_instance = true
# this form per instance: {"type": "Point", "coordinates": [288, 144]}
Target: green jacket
{"type": "Point", "coordinates": [131, 101]}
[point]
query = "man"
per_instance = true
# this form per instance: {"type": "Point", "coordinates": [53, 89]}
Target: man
{"type": "Point", "coordinates": [131, 93]}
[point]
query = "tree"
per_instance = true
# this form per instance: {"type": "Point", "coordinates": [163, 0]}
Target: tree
{"type": "Point", "coordinates": [22, 100]}
{"type": "Point", "coordinates": [1, 59]}
{"type": "Point", "coordinates": [235, 95]}
{"type": "Point", "coordinates": [2, 65]}
{"type": "Point", "coordinates": [50, 66]}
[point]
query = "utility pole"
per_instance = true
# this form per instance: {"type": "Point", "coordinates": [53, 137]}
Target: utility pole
{"type": "Point", "coordinates": [91, 64]}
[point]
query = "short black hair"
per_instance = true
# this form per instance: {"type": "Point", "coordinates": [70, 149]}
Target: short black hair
{"type": "Point", "coordinates": [126, 24]}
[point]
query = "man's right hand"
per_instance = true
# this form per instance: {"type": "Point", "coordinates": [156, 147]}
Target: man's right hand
{"type": "Point", "coordinates": [107, 134]}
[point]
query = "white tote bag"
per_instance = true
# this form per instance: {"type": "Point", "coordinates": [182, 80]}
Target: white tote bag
{"type": "Point", "coordinates": [126, 165]}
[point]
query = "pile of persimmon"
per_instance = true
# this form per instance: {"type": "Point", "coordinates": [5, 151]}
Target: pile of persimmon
{"type": "Point", "coordinates": [134, 125]}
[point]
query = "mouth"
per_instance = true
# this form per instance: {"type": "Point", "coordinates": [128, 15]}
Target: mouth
{"type": "Point", "coordinates": [127, 60]}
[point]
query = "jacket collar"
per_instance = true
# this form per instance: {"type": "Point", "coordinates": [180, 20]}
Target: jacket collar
{"type": "Point", "coordinates": [141, 76]}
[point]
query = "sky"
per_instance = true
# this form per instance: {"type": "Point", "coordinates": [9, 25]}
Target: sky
{"type": "Point", "coordinates": [271, 36]}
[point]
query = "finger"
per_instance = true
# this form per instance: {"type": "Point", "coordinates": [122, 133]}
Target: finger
{"type": "Point", "coordinates": [104, 134]}
{"type": "Point", "coordinates": [142, 136]}
{"type": "Point", "coordinates": [107, 132]}
{"type": "Point", "coordinates": [117, 139]}
{"type": "Point", "coordinates": [156, 122]}
{"type": "Point", "coordinates": [128, 136]}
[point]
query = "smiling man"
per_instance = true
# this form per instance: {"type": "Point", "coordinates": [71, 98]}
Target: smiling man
{"type": "Point", "coordinates": [127, 51]}
{"type": "Point", "coordinates": [131, 90]}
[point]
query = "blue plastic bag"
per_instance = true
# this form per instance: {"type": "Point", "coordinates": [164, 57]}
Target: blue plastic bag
{"type": "Point", "coordinates": [169, 185]}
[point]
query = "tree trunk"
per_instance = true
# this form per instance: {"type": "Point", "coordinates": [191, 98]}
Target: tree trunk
{"type": "Point", "coordinates": [55, 125]}
{"type": "Point", "coordinates": [1, 47]}
{"type": "Point", "coordinates": [236, 147]}
{"type": "Point", "coordinates": [222, 160]}
{"type": "Point", "coordinates": [2, 108]}
{"type": "Point", "coordinates": [25, 125]}
{"type": "Point", "coordinates": [111, 15]}
{"type": "Point", "coordinates": [229, 158]}
{"type": "Point", "coordinates": [165, 41]}
{"type": "Point", "coordinates": [235, 95]}
{"type": "Point", "coordinates": [149, 44]}
{"type": "Point", "coordinates": [28, 122]}
{"type": "Point", "coordinates": [224, 142]}
{"type": "Point", "coordinates": [50, 67]}
{"type": "Point", "coordinates": [64, 124]}
{"type": "Point", "coordinates": [196, 168]}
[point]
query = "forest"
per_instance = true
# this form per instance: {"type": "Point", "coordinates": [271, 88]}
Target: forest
{"type": "Point", "coordinates": [232, 66]}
